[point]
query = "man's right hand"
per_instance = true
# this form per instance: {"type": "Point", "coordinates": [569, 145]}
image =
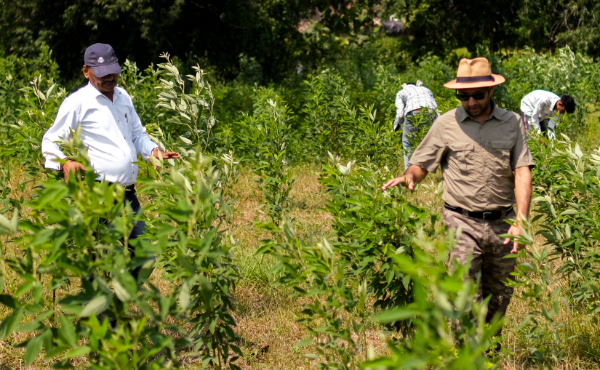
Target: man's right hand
{"type": "Point", "coordinates": [72, 166]}
{"type": "Point", "coordinates": [408, 180]}
{"type": "Point", "coordinates": [412, 176]}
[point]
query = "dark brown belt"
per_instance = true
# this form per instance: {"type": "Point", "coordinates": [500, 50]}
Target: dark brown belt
{"type": "Point", "coordinates": [482, 215]}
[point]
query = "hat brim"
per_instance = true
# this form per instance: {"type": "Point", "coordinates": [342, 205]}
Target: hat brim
{"type": "Point", "coordinates": [110, 69]}
{"type": "Point", "coordinates": [498, 80]}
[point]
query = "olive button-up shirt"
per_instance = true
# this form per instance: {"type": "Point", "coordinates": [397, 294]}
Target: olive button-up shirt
{"type": "Point", "coordinates": [477, 159]}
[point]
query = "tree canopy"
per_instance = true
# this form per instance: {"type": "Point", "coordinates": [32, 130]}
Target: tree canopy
{"type": "Point", "coordinates": [271, 32]}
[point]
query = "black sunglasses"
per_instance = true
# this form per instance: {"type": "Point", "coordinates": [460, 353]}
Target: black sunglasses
{"type": "Point", "coordinates": [477, 96]}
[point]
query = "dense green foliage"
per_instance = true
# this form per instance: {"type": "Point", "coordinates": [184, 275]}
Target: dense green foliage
{"type": "Point", "coordinates": [381, 269]}
{"type": "Point", "coordinates": [264, 40]}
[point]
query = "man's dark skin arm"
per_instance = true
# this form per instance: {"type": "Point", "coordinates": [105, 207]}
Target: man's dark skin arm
{"type": "Point", "coordinates": [413, 175]}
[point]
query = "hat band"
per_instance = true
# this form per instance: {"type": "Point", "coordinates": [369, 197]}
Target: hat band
{"type": "Point", "coordinates": [475, 79]}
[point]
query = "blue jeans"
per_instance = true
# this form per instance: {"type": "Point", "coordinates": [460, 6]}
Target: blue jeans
{"type": "Point", "coordinates": [407, 130]}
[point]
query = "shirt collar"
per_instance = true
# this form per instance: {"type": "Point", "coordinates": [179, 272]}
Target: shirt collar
{"type": "Point", "coordinates": [463, 114]}
{"type": "Point", "coordinates": [96, 93]}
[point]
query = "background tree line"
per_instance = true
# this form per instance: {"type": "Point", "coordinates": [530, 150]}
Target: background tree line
{"type": "Point", "coordinates": [267, 36]}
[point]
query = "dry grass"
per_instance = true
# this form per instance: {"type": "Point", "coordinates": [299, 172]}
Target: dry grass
{"type": "Point", "coordinates": [266, 316]}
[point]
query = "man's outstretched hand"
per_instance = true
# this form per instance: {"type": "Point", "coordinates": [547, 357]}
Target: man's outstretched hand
{"type": "Point", "coordinates": [408, 180]}
{"type": "Point", "coordinates": [412, 176]}
{"type": "Point", "coordinates": [72, 166]}
{"type": "Point", "coordinates": [165, 155]}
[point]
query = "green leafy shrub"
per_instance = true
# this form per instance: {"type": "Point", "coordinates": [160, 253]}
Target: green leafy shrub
{"type": "Point", "coordinates": [68, 249]}
{"type": "Point", "coordinates": [326, 110]}
{"type": "Point", "coordinates": [337, 315]}
{"type": "Point", "coordinates": [569, 214]}
{"type": "Point", "coordinates": [191, 210]}
{"type": "Point", "coordinates": [36, 113]}
{"type": "Point", "coordinates": [191, 114]}
{"type": "Point", "coordinates": [268, 138]}
{"type": "Point", "coordinates": [539, 286]}
{"type": "Point", "coordinates": [449, 325]}
{"type": "Point", "coordinates": [372, 226]}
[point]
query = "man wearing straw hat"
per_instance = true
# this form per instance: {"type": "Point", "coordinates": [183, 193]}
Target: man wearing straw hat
{"type": "Point", "coordinates": [482, 150]}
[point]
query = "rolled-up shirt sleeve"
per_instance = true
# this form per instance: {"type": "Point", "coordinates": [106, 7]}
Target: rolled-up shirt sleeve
{"type": "Point", "coordinates": [143, 144]}
{"type": "Point", "coordinates": [66, 120]}
{"type": "Point", "coordinates": [431, 151]}
{"type": "Point", "coordinates": [520, 155]}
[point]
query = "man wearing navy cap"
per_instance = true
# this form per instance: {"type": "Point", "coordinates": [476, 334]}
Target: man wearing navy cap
{"type": "Point", "coordinates": [110, 128]}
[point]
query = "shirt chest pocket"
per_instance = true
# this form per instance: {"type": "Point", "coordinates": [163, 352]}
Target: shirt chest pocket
{"type": "Point", "coordinates": [461, 155]}
{"type": "Point", "coordinates": [501, 155]}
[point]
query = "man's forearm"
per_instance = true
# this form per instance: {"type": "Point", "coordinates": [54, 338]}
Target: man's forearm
{"type": "Point", "coordinates": [523, 191]}
{"type": "Point", "coordinates": [417, 172]}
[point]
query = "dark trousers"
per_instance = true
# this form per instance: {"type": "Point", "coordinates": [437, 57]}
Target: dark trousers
{"type": "Point", "coordinates": [528, 126]}
{"type": "Point", "coordinates": [138, 229]}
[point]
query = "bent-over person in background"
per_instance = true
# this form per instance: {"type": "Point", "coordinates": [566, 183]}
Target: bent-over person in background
{"type": "Point", "coordinates": [410, 102]}
{"type": "Point", "coordinates": [110, 128]}
{"type": "Point", "coordinates": [482, 150]}
{"type": "Point", "coordinates": [539, 106]}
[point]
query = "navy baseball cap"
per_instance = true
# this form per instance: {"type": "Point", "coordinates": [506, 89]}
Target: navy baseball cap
{"type": "Point", "coordinates": [102, 59]}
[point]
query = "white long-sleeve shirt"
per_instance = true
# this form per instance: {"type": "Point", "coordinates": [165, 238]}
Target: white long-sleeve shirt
{"type": "Point", "coordinates": [539, 105]}
{"type": "Point", "coordinates": [111, 130]}
{"type": "Point", "coordinates": [410, 98]}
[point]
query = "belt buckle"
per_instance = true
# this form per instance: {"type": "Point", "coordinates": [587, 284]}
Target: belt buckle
{"type": "Point", "coordinates": [486, 213]}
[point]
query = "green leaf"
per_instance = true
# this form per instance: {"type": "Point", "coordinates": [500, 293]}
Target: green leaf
{"type": "Point", "coordinates": [395, 314]}
{"type": "Point", "coordinates": [67, 330]}
{"type": "Point", "coordinates": [578, 151]}
{"type": "Point", "coordinates": [184, 296]}
{"type": "Point", "coordinates": [10, 323]}
{"type": "Point", "coordinates": [24, 288]}
{"type": "Point", "coordinates": [33, 348]}
{"type": "Point", "coordinates": [95, 306]}
{"type": "Point", "coordinates": [212, 326]}
{"type": "Point", "coordinates": [569, 212]}
{"type": "Point", "coordinates": [29, 327]}
{"type": "Point", "coordinates": [50, 90]}
{"type": "Point", "coordinates": [120, 291]}
{"type": "Point", "coordinates": [304, 342]}
{"type": "Point", "coordinates": [127, 285]}
{"type": "Point", "coordinates": [165, 302]}
{"type": "Point", "coordinates": [79, 351]}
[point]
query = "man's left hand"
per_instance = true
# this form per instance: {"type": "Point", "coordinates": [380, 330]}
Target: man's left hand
{"type": "Point", "coordinates": [514, 230]}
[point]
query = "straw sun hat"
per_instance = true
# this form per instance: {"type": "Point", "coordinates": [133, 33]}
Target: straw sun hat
{"type": "Point", "coordinates": [473, 74]}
